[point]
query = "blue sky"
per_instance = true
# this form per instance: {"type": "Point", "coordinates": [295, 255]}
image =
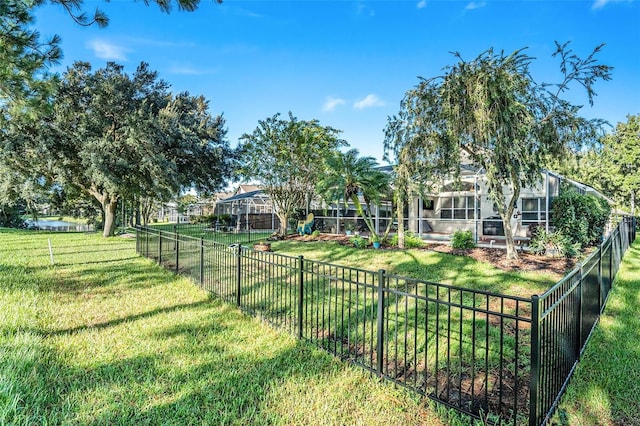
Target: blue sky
{"type": "Point", "coordinates": [348, 63]}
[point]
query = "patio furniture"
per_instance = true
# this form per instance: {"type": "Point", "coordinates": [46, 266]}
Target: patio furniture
{"type": "Point", "coordinates": [304, 226]}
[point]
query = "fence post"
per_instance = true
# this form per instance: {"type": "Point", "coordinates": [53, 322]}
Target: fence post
{"type": "Point", "coordinates": [177, 246]}
{"type": "Point", "coordinates": [238, 274]}
{"type": "Point", "coordinates": [380, 333]}
{"type": "Point", "coordinates": [534, 382]}
{"type": "Point", "coordinates": [175, 236]}
{"type": "Point", "coordinates": [300, 296]}
{"type": "Point", "coordinates": [601, 291]}
{"type": "Point", "coordinates": [137, 240]}
{"type": "Point", "coordinates": [146, 241]}
{"type": "Point", "coordinates": [201, 262]}
{"type": "Point", "coordinates": [159, 247]}
{"type": "Point", "coordinates": [611, 246]}
{"type": "Point", "coordinates": [580, 310]}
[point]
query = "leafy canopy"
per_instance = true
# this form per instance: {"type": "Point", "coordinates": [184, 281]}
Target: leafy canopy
{"type": "Point", "coordinates": [112, 136]}
{"type": "Point", "coordinates": [491, 113]}
{"type": "Point", "coordinates": [286, 157]}
{"type": "Point", "coordinates": [348, 177]}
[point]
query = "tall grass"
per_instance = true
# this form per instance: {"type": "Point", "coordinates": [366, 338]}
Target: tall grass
{"type": "Point", "coordinates": [105, 337]}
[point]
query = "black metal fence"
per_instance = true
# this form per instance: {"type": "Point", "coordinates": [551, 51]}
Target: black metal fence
{"type": "Point", "coordinates": [232, 233]}
{"type": "Point", "coordinates": [564, 317]}
{"type": "Point", "coordinates": [503, 359]}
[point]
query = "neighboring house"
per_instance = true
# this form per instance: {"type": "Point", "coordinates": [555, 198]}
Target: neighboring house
{"type": "Point", "coordinates": [249, 206]}
{"type": "Point", "coordinates": [168, 212]}
{"type": "Point", "coordinates": [468, 207]}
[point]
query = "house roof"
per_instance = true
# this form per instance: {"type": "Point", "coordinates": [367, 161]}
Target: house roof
{"type": "Point", "coordinates": [243, 189]}
{"type": "Point", "coordinates": [244, 196]}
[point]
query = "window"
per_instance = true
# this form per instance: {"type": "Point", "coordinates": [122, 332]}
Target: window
{"type": "Point", "coordinates": [427, 204]}
{"type": "Point", "coordinates": [533, 211]}
{"type": "Point", "coordinates": [460, 207]}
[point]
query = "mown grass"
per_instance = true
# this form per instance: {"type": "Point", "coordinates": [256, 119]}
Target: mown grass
{"type": "Point", "coordinates": [106, 337]}
{"type": "Point", "coordinates": [605, 389]}
{"type": "Point", "coordinates": [425, 265]}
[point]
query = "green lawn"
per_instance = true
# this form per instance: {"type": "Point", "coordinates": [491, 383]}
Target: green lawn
{"type": "Point", "coordinates": [426, 265]}
{"type": "Point", "coordinates": [606, 387]}
{"type": "Point", "coordinates": [106, 337]}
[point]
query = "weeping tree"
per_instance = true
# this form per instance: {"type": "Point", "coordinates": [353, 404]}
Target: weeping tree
{"type": "Point", "coordinates": [348, 177]}
{"type": "Point", "coordinates": [491, 113]}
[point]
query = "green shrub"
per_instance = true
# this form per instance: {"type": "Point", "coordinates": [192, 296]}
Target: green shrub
{"type": "Point", "coordinates": [358, 241]}
{"type": "Point", "coordinates": [462, 240]}
{"type": "Point", "coordinates": [554, 244]}
{"type": "Point", "coordinates": [315, 233]}
{"type": "Point", "coordinates": [582, 218]}
{"type": "Point", "coordinates": [411, 240]}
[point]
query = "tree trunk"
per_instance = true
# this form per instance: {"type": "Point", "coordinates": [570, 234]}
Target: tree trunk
{"type": "Point", "coordinates": [364, 215]}
{"type": "Point", "coordinates": [633, 203]}
{"type": "Point", "coordinates": [109, 207]}
{"type": "Point", "coordinates": [512, 253]}
{"type": "Point", "coordinates": [284, 219]}
{"type": "Point", "coordinates": [400, 211]}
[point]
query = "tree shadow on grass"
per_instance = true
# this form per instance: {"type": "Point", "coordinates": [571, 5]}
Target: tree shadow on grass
{"type": "Point", "coordinates": [202, 378]}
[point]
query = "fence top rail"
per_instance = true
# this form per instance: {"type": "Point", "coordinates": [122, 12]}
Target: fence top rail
{"type": "Point", "coordinates": [455, 304]}
{"type": "Point", "coordinates": [456, 288]}
{"type": "Point", "coordinates": [342, 267]}
{"type": "Point", "coordinates": [580, 265]}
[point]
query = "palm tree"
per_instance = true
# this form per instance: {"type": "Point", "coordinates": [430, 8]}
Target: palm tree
{"type": "Point", "coordinates": [348, 177]}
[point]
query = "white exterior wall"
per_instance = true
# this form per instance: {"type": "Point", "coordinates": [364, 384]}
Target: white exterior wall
{"type": "Point", "coordinates": [472, 221]}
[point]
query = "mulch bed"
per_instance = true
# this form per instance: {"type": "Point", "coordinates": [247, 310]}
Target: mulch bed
{"type": "Point", "coordinates": [497, 257]}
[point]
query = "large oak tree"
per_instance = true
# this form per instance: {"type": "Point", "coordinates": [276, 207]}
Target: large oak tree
{"type": "Point", "coordinates": [113, 135]}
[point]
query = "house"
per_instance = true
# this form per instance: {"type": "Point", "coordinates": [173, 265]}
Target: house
{"type": "Point", "coordinates": [469, 207]}
{"type": "Point", "coordinates": [435, 216]}
{"type": "Point", "coordinates": [249, 207]}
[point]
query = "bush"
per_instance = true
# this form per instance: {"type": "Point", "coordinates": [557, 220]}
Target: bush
{"type": "Point", "coordinates": [553, 244]}
{"type": "Point", "coordinates": [582, 218]}
{"type": "Point", "coordinates": [315, 233]}
{"type": "Point", "coordinates": [411, 240]}
{"type": "Point", "coordinates": [462, 240]}
{"type": "Point", "coordinates": [10, 217]}
{"type": "Point", "coordinates": [358, 241]}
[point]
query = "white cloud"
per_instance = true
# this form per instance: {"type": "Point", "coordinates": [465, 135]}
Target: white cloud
{"type": "Point", "coordinates": [105, 50]}
{"type": "Point", "coordinates": [369, 101]}
{"type": "Point", "coordinates": [331, 103]}
{"type": "Point", "coordinates": [475, 5]}
{"type": "Point", "coordinates": [186, 70]}
{"type": "Point", "coordinates": [422, 4]}
{"type": "Point", "coordinates": [599, 4]}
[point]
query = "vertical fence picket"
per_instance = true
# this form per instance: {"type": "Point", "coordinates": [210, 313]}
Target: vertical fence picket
{"type": "Point", "coordinates": [201, 278]}
{"type": "Point", "coordinates": [534, 384]}
{"type": "Point", "coordinates": [239, 275]}
{"type": "Point", "coordinates": [300, 296]}
{"type": "Point", "coordinates": [380, 332]}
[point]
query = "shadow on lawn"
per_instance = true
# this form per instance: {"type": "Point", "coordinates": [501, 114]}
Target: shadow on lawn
{"type": "Point", "coordinates": [201, 379]}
